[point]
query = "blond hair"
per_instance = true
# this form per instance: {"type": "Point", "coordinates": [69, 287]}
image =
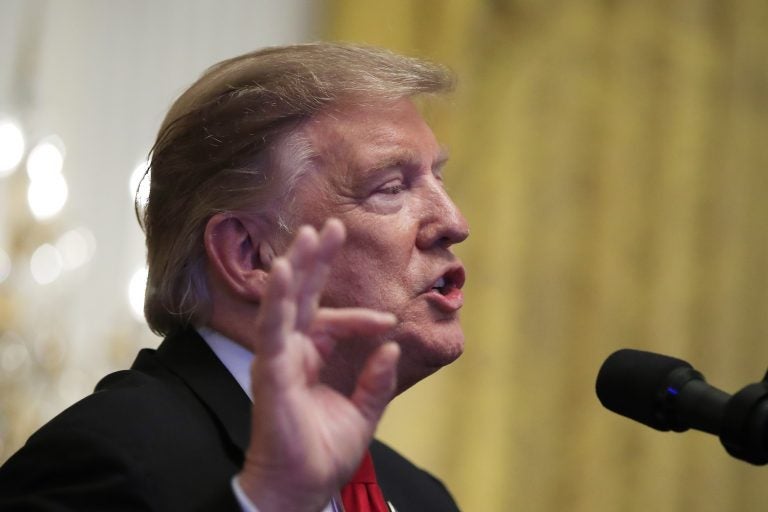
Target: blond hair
{"type": "Point", "coordinates": [229, 143]}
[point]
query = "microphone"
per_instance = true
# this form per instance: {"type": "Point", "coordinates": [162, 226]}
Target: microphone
{"type": "Point", "coordinates": [667, 393]}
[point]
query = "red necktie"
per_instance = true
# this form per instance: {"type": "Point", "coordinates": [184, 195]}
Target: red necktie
{"type": "Point", "coordinates": [362, 493]}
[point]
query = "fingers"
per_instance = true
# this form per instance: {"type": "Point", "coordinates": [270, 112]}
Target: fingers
{"type": "Point", "coordinates": [278, 310]}
{"type": "Point", "coordinates": [335, 324]}
{"type": "Point", "coordinates": [310, 256]}
{"type": "Point", "coordinates": [376, 383]}
{"type": "Point", "coordinates": [348, 322]}
{"type": "Point", "coordinates": [295, 284]}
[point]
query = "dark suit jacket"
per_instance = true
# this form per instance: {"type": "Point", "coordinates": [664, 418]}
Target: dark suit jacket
{"type": "Point", "coordinates": [166, 435]}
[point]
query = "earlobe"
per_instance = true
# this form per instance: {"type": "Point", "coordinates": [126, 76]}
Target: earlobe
{"type": "Point", "coordinates": [238, 256]}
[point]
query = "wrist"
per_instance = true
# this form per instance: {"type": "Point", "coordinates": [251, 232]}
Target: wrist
{"type": "Point", "coordinates": [267, 495]}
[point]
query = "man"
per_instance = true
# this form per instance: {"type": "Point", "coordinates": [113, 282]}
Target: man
{"type": "Point", "coordinates": [296, 213]}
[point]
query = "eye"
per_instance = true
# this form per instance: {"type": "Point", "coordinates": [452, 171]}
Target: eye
{"type": "Point", "coordinates": [438, 174]}
{"type": "Point", "coordinates": [392, 189]}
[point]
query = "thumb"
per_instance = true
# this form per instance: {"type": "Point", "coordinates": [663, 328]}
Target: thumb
{"type": "Point", "coordinates": [377, 381]}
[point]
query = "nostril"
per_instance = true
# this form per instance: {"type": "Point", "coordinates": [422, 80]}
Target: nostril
{"type": "Point", "coordinates": [445, 242]}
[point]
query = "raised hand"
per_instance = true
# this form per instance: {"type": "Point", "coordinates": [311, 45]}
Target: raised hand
{"type": "Point", "coordinates": [306, 438]}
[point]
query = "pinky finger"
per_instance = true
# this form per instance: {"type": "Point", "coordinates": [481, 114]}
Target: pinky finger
{"type": "Point", "coordinates": [377, 382]}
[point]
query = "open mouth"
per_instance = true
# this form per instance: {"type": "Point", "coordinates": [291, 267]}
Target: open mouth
{"type": "Point", "coordinates": [450, 281]}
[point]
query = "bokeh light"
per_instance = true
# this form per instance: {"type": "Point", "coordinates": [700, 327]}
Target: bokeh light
{"type": "Point", "coordinates": [5, 265]}
{"type": "Point", "coordinates": [136, 288]}
{"type": "Point", "coordinates": [13, 357]}
{"type": "Point", "coordinates": [46, 159]}
{"type": "Point", "coordinates": [11, 146]}
{"type": "Point", "coordinates": [76, 247]}
{"type": "Point", "coordinates": [46, 264]}
{"type": "Point", "coordinates": [48, 190]}
{"type": "Point", "coordinates": [46, 197]}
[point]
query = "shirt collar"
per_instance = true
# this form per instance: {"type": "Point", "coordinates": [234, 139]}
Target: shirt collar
{"type": "Point", "coordinates": [235, 357]}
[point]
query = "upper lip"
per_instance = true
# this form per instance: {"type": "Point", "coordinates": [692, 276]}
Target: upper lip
{"type": "Point", "coordinates": [453, 275]}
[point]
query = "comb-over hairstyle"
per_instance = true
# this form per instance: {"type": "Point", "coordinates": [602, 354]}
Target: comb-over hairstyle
{"type": "Point", "coordinates": [229, 143]}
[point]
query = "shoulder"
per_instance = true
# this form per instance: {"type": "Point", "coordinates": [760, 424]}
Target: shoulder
{"type": "Point", "coordinates": [133, 441]}
{"type": "Point", "coordinates": [145, 416]}
{"type": "Point", "coordinates": [406, 486]}
{"type": "Point", "coordinates": [130, 407]}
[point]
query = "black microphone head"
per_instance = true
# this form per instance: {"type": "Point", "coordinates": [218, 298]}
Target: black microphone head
{"type": "Point", "coordinates": [636, 384]}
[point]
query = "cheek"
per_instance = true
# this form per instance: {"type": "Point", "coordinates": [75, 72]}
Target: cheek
{"type": "Point", "coordinates": [367, 273]}
{"type": "Point", "coordinates": [373, 268]}
{"type": "Point", "coordinates": [357, 279]}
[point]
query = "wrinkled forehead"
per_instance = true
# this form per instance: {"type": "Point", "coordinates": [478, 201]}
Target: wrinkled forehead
{"type": "Point", "coordinates": [362, 137]}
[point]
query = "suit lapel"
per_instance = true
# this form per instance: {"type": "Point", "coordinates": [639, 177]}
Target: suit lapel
{"type": "Point", "coordinates": [188, 356]}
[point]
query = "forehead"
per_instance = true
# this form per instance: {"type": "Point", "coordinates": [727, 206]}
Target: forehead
{"type": "Point", "coordinates": [364, 137]}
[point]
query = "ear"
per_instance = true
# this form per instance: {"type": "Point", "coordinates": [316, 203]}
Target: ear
{"type": "Point", "coordinates": [239, 255]}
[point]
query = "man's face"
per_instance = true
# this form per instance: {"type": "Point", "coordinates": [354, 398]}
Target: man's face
{"type": "Point", "coordinates": [380, 173]}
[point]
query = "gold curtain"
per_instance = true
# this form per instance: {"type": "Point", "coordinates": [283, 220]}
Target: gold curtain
{"type": "Point", "coordinates": [611, 159]}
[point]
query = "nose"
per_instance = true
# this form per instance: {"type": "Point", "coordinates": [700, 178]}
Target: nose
{"type": "Point", "coordinates": [442, 223]}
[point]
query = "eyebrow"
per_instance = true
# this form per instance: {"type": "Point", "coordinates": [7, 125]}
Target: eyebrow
{"type": "Point", "coordinates": [404, 156]}
{"type": "Point", "coordinates": [441, 160]}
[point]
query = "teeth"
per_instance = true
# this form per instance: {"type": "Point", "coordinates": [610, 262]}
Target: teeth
{"type": "Point", "coordinates": [439, 283]}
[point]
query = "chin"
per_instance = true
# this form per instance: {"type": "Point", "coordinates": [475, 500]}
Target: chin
{"type": "Point", "coordinates": [417, 365]}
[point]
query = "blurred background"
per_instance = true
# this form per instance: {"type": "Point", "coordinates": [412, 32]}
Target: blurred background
{"type": "Point", "coordinates": [610, 156]}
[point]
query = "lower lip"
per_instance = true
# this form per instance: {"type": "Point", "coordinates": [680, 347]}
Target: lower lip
{"type": "Point", "coordinates": [450, 302]}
